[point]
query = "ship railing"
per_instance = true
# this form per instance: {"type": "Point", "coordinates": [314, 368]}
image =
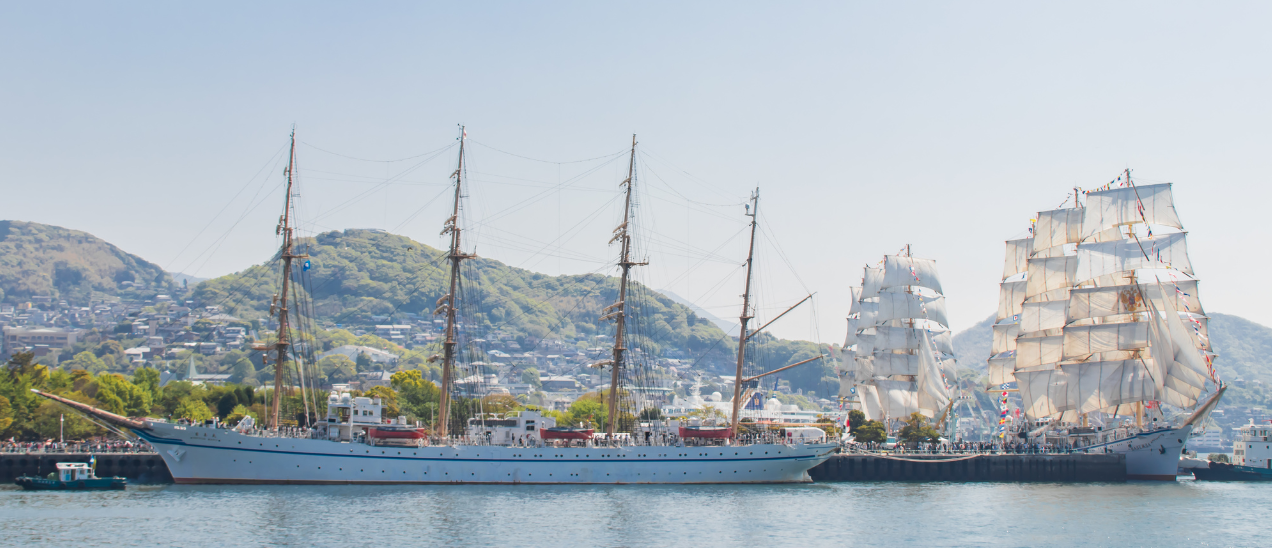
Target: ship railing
{"type": "Point", "coordinates": [78, 448]}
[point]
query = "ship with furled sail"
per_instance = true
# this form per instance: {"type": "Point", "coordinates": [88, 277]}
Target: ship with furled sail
{"type": "Point", "coordinates": [1100, 328]}
{"type": "Point", "coordinates": [355, 443]}
{"type": "Point", "coordinates": [897, 357]}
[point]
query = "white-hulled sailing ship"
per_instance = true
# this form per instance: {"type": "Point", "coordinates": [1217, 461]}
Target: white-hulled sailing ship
{"type": "Point", "coordinates": [1099, 324]}
{"type": "Point", "coordinates": [898, 355]}
{"type": "Point", "coordinates": [355, 444]}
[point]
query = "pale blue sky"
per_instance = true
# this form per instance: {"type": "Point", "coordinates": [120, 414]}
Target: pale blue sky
{"type": "Point", "coordinates": [867, 126]}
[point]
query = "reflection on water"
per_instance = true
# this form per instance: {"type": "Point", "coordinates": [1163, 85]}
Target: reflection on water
{"type": "Point", "coordinates": [841, 514]}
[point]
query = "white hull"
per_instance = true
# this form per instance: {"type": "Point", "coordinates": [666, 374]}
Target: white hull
{"type": "Point", "coordinates": [196, 454]}
{"type": "Point", "coordinates": [1151, 455]}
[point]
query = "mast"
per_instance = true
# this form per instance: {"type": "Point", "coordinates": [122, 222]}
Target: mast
{"type": "Point", "coordinates": [745, 316]}
{"type": "Point", "coordinates": [455, 256]}
{"type": "Point", "coordinates": [620, 314]}
{"type": "Point", "coordinates": [285, 230]}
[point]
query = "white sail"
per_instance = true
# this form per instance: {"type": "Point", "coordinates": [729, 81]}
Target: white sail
{"type": "Point", "coordinates": [1081, 341]}
{"type": "Point", "coordinates": [851, 338]}
{"type": "Point", "coordinates": [1038, 316]}
{"type": "Point", "coordinates": [907, 338]}
{"type": "Point", "coordinates": [865, 368]}
{"type": "Point", "coordinates": [868, 313]}
{"type": "Point", "coordinates": [1109, 208]}
{"type": "Point", "coordinates": [898, 398]}
{"type": "Point", "coordinates": [898, 306]}
{"type": "Point", "coordinates": [1184, 364]}
{"type": "Point", "coordinates": [1004, 338]}
{"type": "Point", "coordinates": [866, 342]}
{"type": "Point", "coordinates": [1058, 227]}
{"type": "Point", "coordinates": [1002, 369]}
{"type": "Point", "coordinates": [1049, 274]}
{"type": "Point", "coordinates": [871, 282]}
{"type": "Point", "coordinates": [1042, 392]}
{"type": "Point", "coordinates": [1010, 297]}
{"type": "Point", "coordinates": [1100, 302]}
{"type": "Point", "coordinates": [901, 271]}
{"type": "Point", "coordinates": [854, 307]}
{"type": "Point", "coordinates": [933, 396]}
{"type": "Point", "coordinates": [1033, 350]}
{"type": "Point", "coordinates": [870, 405]}
{"type": "Point", "coordinates": [1099, 259]}
{"type": "Point", "coordinates": [886, 365]}
{"type": "Point", "coordinates": [1018, 253]}
{"type": "Point", "coordinates": [1093, 386]}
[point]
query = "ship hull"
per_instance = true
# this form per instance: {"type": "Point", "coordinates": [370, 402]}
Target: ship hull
{"type": "Point", "coordinates": [1150, 455]}
{"type": "Point", "coordinates": [201, 455]}
{"type": "Point", "coordinates": [1218, 471]}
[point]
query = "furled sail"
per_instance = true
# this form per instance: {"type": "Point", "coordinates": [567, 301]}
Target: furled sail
{"type": "Point", "coordinates": [1167, 251]}
{"type": "Point", "coordinates": [1109, 208]}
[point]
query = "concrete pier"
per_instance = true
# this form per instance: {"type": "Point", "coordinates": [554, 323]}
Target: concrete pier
{"type": "Point", "coordinates": [137, 467]}
{"type": "Point", "coordinates": [1005, 468]}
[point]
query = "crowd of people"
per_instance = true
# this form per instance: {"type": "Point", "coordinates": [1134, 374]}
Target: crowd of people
{"type": "Point", "coordinates": [87, 446]}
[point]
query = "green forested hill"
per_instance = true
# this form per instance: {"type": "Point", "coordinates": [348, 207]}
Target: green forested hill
{"type": "Point", "coordinates": [366, 277]}
{"type": "Point", "coordinates": [39, 260]}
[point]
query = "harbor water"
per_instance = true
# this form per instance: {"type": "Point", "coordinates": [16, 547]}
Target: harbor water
{"type": "Point", "coordinates": [1186, 513]}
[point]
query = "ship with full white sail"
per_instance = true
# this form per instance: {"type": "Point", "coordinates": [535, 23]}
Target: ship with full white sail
{"type": "Point", "coordinates": [355, 443]}
{"type": "Point", "coordinates": [897, 356]}
{"type": "Point", "coordinates": [1099, 325]}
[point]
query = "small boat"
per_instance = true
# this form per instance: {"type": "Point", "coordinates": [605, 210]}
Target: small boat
{"type": "Point", "coordinates": [565, 433]}
{"type": "Point", "coordinates": [708, 432]}
{"type": "Point", "coordinates": [395, 432]}
{"type": "Point", "coordinates": [1251, 456]}
{"type": "Point", "coordinates": [71, 476]}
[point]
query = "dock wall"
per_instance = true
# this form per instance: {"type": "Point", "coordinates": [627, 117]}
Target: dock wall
{"type": "Point", "coordinates": [1005, 468]}
{"type": "Point", "coordinates": [137, 467]}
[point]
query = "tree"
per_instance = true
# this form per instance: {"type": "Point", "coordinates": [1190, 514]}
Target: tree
{"type": "Point", "coordinates": [364, 362]}
{"type": "Point", "coordinates": [119, 396]}
{"type": "Point", "coordinates": [147, 378]}
{"type": "Point", "coordinates": [238, 413]}
{"type": "Point", "coordinates": [6, 414]}
{"type": "Point", "coordinates": [226, 404]}
{"type": "Point", "coordinates": [499, 403]}
{"type": "Point", "coordinates": [855, 419]}
{"type": "Point", "coordinates": [870, 432]}
{"type": "Point", "coordinates": [917, 430]}
{"type": "Point", "coordinates": [242, 369]}
{"type": "Point", "coordinates": [193, 409]}
{"type": "Point", "coordinates": [586, 410]}
{"type": "Point", "coordinates": [1218, 457]}
{"type": "Point", "coordinates": [416, 394]}
{"type": "Point", "coordinates": [388, 398]}
{"type": "Point", "coordinates": [651, 414]}
{"type": "Point", "coordinates": [87, 361]}
{"type": "Point", "coordinates": [338, 368]}
{"type": "Point", "coordinates": [531, 377]}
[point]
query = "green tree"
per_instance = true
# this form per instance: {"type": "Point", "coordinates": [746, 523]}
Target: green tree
{"type": "Point", "coordinates": [917, 430]}
{"type": "Point", "coordinates": [193, 409]}
{"type": "Point", "coordinates": [364, 362]}
{"type": "Point", "coordinates": [6, 414]}
{"type": "Point", "coordinates": [870, 432]}
{"type": "Point", "coordinates": [388, 398]}
{"type": "Point", "coordinates": [855, 419]}
{"type": "Point", "coordinates": [338, 368]}
{"type": "Point", "coordinates": [87, 361]}
{"type": "Point", "coordinates": [416, 395]}
{"type": "Point", "coordinates": [121, 397]}
{"type": "Point", "coordinates": [226, 404]}
{"type": "Point", "coordinates": [147, 378]}
{"type": "Point", "coordinates": [242, 369]}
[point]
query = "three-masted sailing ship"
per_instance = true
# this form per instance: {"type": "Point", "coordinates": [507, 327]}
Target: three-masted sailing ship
{"type": "Point", "coordinates": [528, 448]}
{"type": "Point", "coordinates": [1099, 324]}
{"type": "Point", "coordinates": [897, 357]}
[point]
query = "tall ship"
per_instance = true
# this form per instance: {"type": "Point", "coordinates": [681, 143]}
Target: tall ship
{"type": "Point", "coordinates": [898, 355]}
{"type": "Point", "coordinates": [352, 442]}
{"type": "Point", "coordinates": [1100, 328]}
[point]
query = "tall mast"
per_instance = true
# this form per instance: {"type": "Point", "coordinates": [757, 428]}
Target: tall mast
{"type": "Point", "coordinates": [285, 230]}
{"type": "Point", "coordinates": [620, 314]}
{"type": "Point", "coordinates": [746, 313]}
{"type": "Point", "coordinates": [455, 256]}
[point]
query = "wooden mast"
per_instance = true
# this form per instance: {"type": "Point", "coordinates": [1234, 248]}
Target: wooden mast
{"type": "Point", "coordinates": [620, 307]}
{"type": "Point", "coordinates": [285, 230]}
{"type": "Point", "coordinates": [455, 256]}
{"type": "Point", "coordinates": [746, 313]}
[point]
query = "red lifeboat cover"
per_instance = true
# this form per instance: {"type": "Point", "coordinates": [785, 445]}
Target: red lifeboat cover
{"type": "Point", "coordinates": [565, 433]}
{"type": "Point", "coordinates": [712, 432]}
{"type": "Point", "coordinates": [392, 432]}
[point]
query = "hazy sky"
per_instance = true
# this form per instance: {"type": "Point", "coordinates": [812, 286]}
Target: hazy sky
{"type": "Point", "coordinates": [158, 126]}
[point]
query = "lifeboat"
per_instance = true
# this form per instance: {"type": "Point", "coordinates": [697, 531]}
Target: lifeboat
{"type": "Point", "coordinates": [708, 432]}
{"type": "Point", "coordinates": [395, 432]}
{"type": "Point", "coordinates": [565, 433]}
